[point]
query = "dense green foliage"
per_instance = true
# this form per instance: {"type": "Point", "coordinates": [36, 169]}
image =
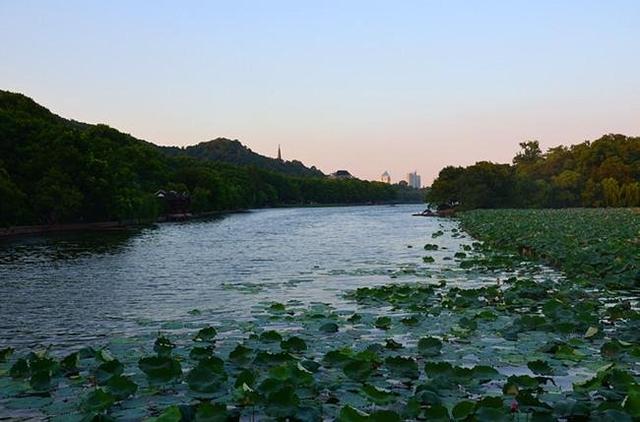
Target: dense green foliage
{"type": "Point", "coordinates": [602, 173]}
{"type": "Point", "coordinates": [233, 152]}
{"type": "Point", "coordinates": [484, 336]}
{"type": "Point", "coordinates": [601, 246]}
{"type": "Point", "coordinates": [54, 170]}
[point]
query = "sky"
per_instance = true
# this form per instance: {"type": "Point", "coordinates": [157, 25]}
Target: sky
{"type": "Point", "coordinates": [366, 86]}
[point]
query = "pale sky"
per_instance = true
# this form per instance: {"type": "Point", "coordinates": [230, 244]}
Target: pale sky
{"type": "Point", "coordinates": [366, 86]}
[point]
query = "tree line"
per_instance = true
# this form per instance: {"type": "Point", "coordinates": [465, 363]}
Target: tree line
{"type": "Point", "coordinates": [602, 173]}
{"type": "Point", "coordinates": [54, 170]}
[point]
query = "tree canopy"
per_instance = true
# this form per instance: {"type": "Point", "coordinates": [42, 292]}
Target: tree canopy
{"type": "Point", "coordinates": [54, 170]}
{"type": "Point", "coordinates": [602, 173]}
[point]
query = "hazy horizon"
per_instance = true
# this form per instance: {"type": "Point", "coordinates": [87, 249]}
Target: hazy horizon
{"type": "Point", "coordinates": [363, 86]}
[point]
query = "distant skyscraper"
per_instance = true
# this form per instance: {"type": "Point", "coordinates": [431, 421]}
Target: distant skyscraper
{"type": "Point", "coordinates": [385, 178]}
{"type": "Point", "coordinates": [279, 153]}
{"type": "Point", "coordinates": [413, 180]}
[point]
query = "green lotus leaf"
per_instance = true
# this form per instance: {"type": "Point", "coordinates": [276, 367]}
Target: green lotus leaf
{"type": "Point", "coordinates": [329, 327]}
{"type": "Point", "coordinates": [404, 367]}
{"type": "Point", "coordinates": [40, 381]}
{"type": "Point", "coordinates": [429, 346]}
{"type": "Point", "coordinates": [270, 336]}
{"type": "Point", "coordinates": [69, 364]}
{"type": "Point", "coordinates": [338, 357]}
{"type": "Point", "coordinates": [355, 318]}
{"type": "Point", "coordinates": [492, 414]}
{"type": "Point", "coordinates": [490, 401]}
{"type": "Point", "coordinates": [107, 370]}
{"type": "Point", "coordinates": [246, 377]}
{"type": "Point", "coordinates": [383, 323]}
{"type": "Point", "coordinates": [611, 349]}
{"type": "Point", "coordinates": [462, 410]}
{"type": "Point", "coordinates": [384, 416]}
{"type": "Point", "coordinates": [211, 412]}
{"type": "Point", "coordinates": [391, 344]}
{"type": "Point", "coordinates": [103, 355]}
{"type": "Point", "coordinates": [206, 378]}
{"type": "Point", "coordinates": [359, 370]}
{"type": "Point", "coordinates": [631, 403]}
{"type": "Point", "coordinates": [438, 369]}
{"type": "Point", "coordinates": [98, 400]}
{"type": "Point", "coordinates": [468, 323]}
{"type": "Point", "coordinates": [540, 367]}
{"type": "Point", "coordinates": [206, 334]}
{"type": "Point", "coordinates": [377, 395]}
{"type": "Point", "coordinates": [566, 352]}
{"type": "Point", "coordinates": [87, 353]}
{"type": "Point", "coordinates": [160, 369]}
{"type": "Point", "coordinates": [170, 414]}
{"type": "Point", "coordinates": [310, 365]}
{"type": "Point", "coordinates": [410, 321]}
{"type": "Point", "coordinates": [200, 353]}
{"type": "Point", "coordinates": [20, 369]}
{"type": "Point", "coordinates": [517, 383]}
{"type": "Point", "coordinates": [437, 412]}
{"type": "Point", "coordinates": [484, 373]}
{"type": "Point", "coordinates": [349, 414]}
{"type": "Point", "coordinates": [268, 358]}
{"type": "Point", "coordinates": [277, 307]}
{"type": "Point", "coordinates": [240, 353]}
{"type": "Point", "coordinates": [40, 362]}
{"type": "Point", "coordinates": [283, 402]}
{"type": "Point", "coordinates": [294, 344]}
{"type": "Point", "coordinates": [5, 353]}
{"type": "Point", "coordinates": [121, 387]}
{"type": "Point", "coordinates": [163, 346]}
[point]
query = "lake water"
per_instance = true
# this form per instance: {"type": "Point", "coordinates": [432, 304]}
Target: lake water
{"type": "Point", "coordinates": [77, 289]}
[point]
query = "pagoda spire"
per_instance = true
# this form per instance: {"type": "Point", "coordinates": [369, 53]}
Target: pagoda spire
{"type": "Point", "coordinates": [279, 153]}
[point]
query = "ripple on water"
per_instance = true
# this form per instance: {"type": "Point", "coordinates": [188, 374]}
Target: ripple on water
{"type": "Point", "coordinates": [68, 290]}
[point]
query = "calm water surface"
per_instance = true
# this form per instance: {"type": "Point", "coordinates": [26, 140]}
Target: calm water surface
{"type": "Point", "coordinates": [73, 290]}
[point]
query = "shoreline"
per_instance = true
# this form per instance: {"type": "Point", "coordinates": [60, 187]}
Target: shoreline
{"type": "Point", "coordinates": [43, 229]}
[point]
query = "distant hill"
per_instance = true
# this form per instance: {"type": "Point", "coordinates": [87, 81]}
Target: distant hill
{"type": "Point", "coordinates": [55, 170]}
{"type": "Point", "coordinates": [233, 152]}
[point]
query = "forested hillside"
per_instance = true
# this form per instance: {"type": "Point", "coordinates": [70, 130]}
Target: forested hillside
{"type": "Point", "coordinates": [54, 170]}
{"type": "Point", "coordinates": [233, 152]}
{"type": "Point", "coordinates": [602, 173]}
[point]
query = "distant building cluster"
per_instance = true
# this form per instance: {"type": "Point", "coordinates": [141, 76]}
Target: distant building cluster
{"type": "Point", "coordinates": [413, 180]}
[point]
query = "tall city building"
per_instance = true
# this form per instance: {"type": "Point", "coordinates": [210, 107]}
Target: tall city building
{"type": "Point", "coordinates": [413, 180]}
{"type": "Point", "coordinates": [385, 178]}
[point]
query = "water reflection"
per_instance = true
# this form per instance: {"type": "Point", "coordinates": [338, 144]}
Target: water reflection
{"type": "Point", "coordinates": [75, 289]}
{"type": "Point", "coordinates": [63, 246]}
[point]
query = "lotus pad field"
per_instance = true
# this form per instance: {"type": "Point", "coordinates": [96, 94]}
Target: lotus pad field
{"type": "Point", "coordinates": [599, 246]}
{"type": "Point", "coordinates": [485, 335]}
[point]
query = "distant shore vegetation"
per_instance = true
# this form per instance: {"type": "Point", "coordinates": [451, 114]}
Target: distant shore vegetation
{"type": "Point", "coordinates": [602, 173]}
{"type": "Point", "coordinates": [54, 170]}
